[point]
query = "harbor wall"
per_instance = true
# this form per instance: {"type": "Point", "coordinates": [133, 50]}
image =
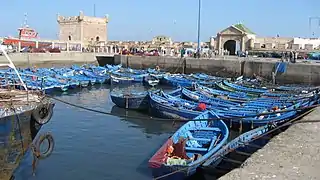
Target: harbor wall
{"type": "Point", "coordinates": [297, 73]}
{"type": "Point", "coordinates": [300, 72]}
{"type": "Point", "coordinates": [31, 59]}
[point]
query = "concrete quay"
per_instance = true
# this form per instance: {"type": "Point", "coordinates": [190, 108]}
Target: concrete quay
{"type": "Point", "coordinates": [291, 155]}
{"type": "Point", "coordinates": [63, 58]}
{"type": "Point", "coordinates": [298, 73]}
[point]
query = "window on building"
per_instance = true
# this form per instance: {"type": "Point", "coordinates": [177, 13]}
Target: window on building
{"type": "Point", "coordinates": [69, 38]}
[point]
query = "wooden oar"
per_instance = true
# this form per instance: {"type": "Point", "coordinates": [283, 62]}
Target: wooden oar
{"type": "Point", "coordinates": [215, 143]}
{"type": "Point", "coordinates": [217, 140]}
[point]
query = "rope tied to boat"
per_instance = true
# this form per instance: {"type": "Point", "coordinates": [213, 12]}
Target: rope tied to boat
{"type": "Point", "coordinates": [169, 174]}
{"type": "Point", "coordinates": [35, 149]}
{"type": "Point", "coordinates": [230, 118]}
{"type": "Point", "coordinates": [19, 127]}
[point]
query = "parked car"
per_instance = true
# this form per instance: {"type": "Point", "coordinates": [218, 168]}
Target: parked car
{"type": "Point", "coordinates": [54, 50]}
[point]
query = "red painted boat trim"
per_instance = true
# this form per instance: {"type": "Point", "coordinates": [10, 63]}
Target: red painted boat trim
{"type": "Point", "coordinates": [160, 156]}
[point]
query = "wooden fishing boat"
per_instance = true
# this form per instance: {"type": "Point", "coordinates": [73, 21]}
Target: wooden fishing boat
{"type": "Point", "coordinates": [118, 79]}
{"type": "Point", "coordinates": [245, 89]}
{"type": "Point", "coordinates": [247, 107]}
{"type": "Point", "coordinates": [156, 73]}
{"type": "Point", "coordinates": [248, 123]}
{"type": "Point", "coordinates": [238, 97]}
{"type": "Point", "coordinates": [184, 80]}
{"type": "Point", "coordinates": [165, 106]}
{"type": "Point", "coordinates": [176, 80]}
{"type": "Point", "coordinates": [23, 113]}
{"type": "Point", "coordinates": [198, 97]}
{"type": "Point", "coordinates": [240, 142]}
{"type": "Point", "coordinates": [130, 100]}
{"type": "Point", "coordinates": [100, 78]}
{"type": "Point", "coordinates": [223, 87]}
{"type": "Point", "coordinates": [151, 80]}
{"type": "Point", "coordinates": [126, 78]}
{"type": "Point", "coordinates": [112, 68]}
{"type": "Point", "coordinates": [178, 158]}
{"type": "Point", "coordinates": [235, 109]}
{"type": "Point", "coordinates": [135, 100]}
{"type": "Point", "coordinates": [204, 94]}
{"type": "Point", "coordinates": [205, 77]}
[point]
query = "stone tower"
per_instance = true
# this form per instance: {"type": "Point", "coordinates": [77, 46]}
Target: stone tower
{"type": "Point", "coordinates": [85, 29]}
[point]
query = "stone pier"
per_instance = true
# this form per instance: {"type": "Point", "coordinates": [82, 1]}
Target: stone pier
{"type": "Point", "coordinates": [291, 155]}
{"type": "Point", "coordinates": [299, 73]}
{"type": "Point", "coordinates": [63, 58]}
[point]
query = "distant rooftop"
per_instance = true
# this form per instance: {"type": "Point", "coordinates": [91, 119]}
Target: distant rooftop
{"type": "Point", "coordinates": [243, 28]}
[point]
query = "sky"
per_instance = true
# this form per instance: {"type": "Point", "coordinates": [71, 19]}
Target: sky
{"type": "Point", "coordinates": [144, 19]}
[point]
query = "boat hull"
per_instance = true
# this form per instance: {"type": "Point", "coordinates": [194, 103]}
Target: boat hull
{"type": "Point", "coordinates": [215, 133]}
{"type": "Point", "coordinates": [17, 131]}
{"type": "Point", "coordinates": [136, 103]}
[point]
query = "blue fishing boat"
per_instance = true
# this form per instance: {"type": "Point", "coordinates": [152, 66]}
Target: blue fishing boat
{"type": "Point", "coordinates": [231, 107]}
{"type": "Point", "coordinates": [274, 118]}
{"type": "Point", "coordinates": [245, 89]}
{"type": "Point", "coordinates": [184, 80]}
{"type": "Point", "coordinates": [173, 107]}
{"type": "Point", "coordinates": [248, 106]}
{"type": "Point", "coordinates": [205, 77]}
{"type": "Point", "coordinates": [113, 68]}
{"type": "Point", "coordinates": [99, 77]}
{"type": "Point", "coordinates": [189, 147]}
{"type": "Point", "coordinates": [166, 106]}
{"type": "Point", "coordinates": [198, 97]}
{"type": "Point", "coordinates": [239, 142]}
{"type": "Point", "coordinates": [128, 76]}
{"type": "Point", "coordinates": [241, 96]}
{"type": "Point", "coordinates": [156, 73]}
{"type": "Point", "coordinates": [67, 73]}
{"type": "Point", "coordinates": [129, 99]}
{"type": "Point", "coordinates": [118, 79]}
{"type": "Point", "coordinates": [176, 80]}
{"type": "Point", "coordinates": [151, 80]}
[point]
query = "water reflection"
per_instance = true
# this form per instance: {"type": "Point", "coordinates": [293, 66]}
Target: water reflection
{"type": "Point", "coordinates": [148, 125]}
{"type": "Point", "coordinates": [90, 145]}
{"type": "Point", "coordinates": [14, 145]}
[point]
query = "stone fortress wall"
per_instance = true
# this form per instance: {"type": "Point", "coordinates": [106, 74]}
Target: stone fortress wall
{"type": "Point", "coordinates": [88, 30]}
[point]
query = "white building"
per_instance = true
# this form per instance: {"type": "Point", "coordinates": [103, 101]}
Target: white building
{"type": "Point", "coordinates": [307, 43]}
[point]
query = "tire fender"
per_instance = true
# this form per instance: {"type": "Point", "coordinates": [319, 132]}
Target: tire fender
{"type": "Point", "coordinates": [36, 146]}
{"type": "Point", "coordinates": [43, 113]}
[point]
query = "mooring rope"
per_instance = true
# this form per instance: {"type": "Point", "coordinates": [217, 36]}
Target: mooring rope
{"type": "Point", "coordinates": [172, 173]}
{"type": "Point", "coordinates": [290, 122]}
{"type": "Point", "coordinates": [19, 127]}
{"type": "Point", "coordinates": [180, 63]}
{"type": "Point", "coordinates": [233, 118]}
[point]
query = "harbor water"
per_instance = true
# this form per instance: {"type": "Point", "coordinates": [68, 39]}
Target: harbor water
{"type": "Point", "coordinates": [90, 145]}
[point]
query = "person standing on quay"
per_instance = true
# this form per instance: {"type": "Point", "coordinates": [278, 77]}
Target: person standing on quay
{"type": "Point", "coordinates": [182, 52]}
